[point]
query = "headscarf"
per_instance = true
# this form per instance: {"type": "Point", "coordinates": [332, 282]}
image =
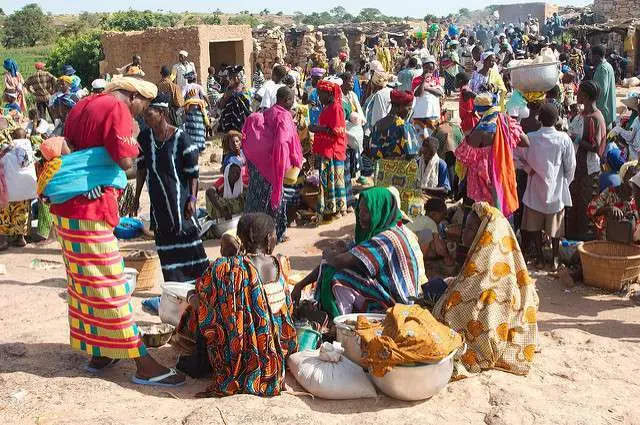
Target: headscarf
{"type": "Point", "coordinates": [318, 72]}
{"type": "Point", "coordinates": [99, 84]}
{"type": "Point", "coordinates": [380, 78]}
{"type": "Point", "coordinates": [615, 160]}
{"type": "Point", "coordinates": [67, 79]}
{"type": "Point", "coordinates": [144, 88]}
{"type": "Point", "coordinates": [493, 301]}
{"type": "Point", "coordinates": [383, 210]}
{"type": "Point", "coordinates": [68, 70]}
{"type": "Point", "coordinates": [235, 191]}
{"type": "Point", "coordinates": [401, 97]}
{"type": "Point", "coordinates": [485, 102]}
{"type": "Point", "coordinates": [11, 66]}
{"type": "Point", "coordinates": [485, 55]}
{"type": "Point", "coordinates": [625, 167]}
{"type": "Point", "coordinates": [40, 66]}
{"type": "Point", "coordinates": [376, 66]}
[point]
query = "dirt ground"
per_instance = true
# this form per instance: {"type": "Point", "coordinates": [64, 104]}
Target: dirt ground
{"type": "Point", "coordinates": [587, 371]}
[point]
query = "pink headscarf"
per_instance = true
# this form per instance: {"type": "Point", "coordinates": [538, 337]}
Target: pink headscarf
{"type": "Point", "coordinates": [270, 142]}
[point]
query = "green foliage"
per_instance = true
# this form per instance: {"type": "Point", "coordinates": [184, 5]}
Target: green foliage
{"type": "Point", "coordinates": [134, 20]}
{"type": "Point", "coordinates": [25, 57]}
{"type": "Point", "coordinates": [213, 19]}
{"type": "Point", "coordinates": [244, 19]}
{"type": "Point", "coordinates": [430, 18]}
{"type": "Point", "coordinates": [339, 15]}
{"type": "Point", "coordinates": [464, 12]}
{"type": "Point", "coordinates": [84, 53]}
{"type": "Point", "coordinates": [26, 27]}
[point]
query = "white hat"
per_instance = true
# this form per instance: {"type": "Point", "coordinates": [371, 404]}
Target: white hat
{"type": "Point", "coordinates": [183, 53]}
{"type": "Point", "coordinates": [99, 83]}
{"type": "Point", "coordinates": [428, 59]}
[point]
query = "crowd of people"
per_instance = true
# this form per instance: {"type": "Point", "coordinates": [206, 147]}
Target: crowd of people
{"type": "Point", "coordinates": [514, 170]}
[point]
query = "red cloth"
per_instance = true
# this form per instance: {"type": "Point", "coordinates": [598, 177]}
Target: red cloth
{"type": "Point", "coordinates": [401, 97]}
{"type": "Point", "coordinates": [333, 146]}
{"type": "Point", "coordinates": [468, 118]}
{"type": "Point", "coordinates": [100, 120]}
{"type": "Point", "coordinates": [431, 82]}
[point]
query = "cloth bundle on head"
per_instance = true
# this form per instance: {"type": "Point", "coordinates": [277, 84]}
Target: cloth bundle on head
{"type": "Point", "coordinates": [318, 72]}
{"type": "Point", "coordinates": [99, 84]}
{"type": "Point", "coordinates": [401, 98]}
{"type": "Point", "coordinates": [534, 96]}
{"type": "Point", "coordinates": [485, 101]}
{"type": "Point", "coordinates": [68, 70]}
{"type": "Point", "coordinates": [39, 66]}
{"type": "Point", "coordinates": [379, 78]}
{"type": "Point", "coordinates": [183, 53]}
{"type": "Point", "coordinates": [67, 79]}
{"type": "Point", "coordinates": [486, 55]}
{"type": "Point", "coordinates": [134, 85]}
{"type": "Point", "coordinates": [11, 66]}
{"type": "Point", "coordinates": [625, 168]}
{"type": "Point", "coordinates": [428, 59]}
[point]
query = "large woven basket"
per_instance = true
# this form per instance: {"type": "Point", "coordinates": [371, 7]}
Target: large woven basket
{"type": "Point", "coordinates": [147, 263]}
{"type": "Point", "coordinates": [609, 265]}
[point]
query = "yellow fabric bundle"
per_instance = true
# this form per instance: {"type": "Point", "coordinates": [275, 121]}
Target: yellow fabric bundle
{"type": "Point", "coordinates": [534, 96]}
{"type": "Point", "coordinates": [409, 334]}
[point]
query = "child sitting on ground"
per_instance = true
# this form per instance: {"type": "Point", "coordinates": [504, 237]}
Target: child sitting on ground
{"type": "Point", "coordinates": [426, 228]}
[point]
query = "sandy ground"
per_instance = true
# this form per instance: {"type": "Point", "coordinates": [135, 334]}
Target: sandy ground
{"type": "Point", "coordinates": [587, 371]}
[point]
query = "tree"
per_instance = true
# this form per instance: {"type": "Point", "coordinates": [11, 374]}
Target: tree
{"type": "Point", "coordinates": [369, 14]}
{"type": "Point", "coordinates": [464, 12]}
{"type": "Point", "coordinates": [134, 20]}
{"type": "Point", "coordinates": [84, 53]}
{"type": "Point", "coordinates": [26, 27]}
{"type": "Point", "coordinates": [265, 12]}
{"type": "Point", "coordinates": [213, 19]}
{"type": "Point", "coordinates": [338, 12]}
{"type": "Point", "coordinates": [244, 20]}
{"type": "Point", "coordinates": [430, 18]}
{"type": "Point", "coordinates": [298, 17]}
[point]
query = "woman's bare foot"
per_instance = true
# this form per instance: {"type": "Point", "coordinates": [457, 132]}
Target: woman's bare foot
{"type": "Point", "coordinates": [148, 367]}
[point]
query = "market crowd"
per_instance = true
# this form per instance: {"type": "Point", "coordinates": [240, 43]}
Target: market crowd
{"type": "Point", "coordinates": [475, 193]}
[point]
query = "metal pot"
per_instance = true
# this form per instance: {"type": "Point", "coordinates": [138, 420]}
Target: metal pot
{"type": "Point", "coordinates": [347, 336]}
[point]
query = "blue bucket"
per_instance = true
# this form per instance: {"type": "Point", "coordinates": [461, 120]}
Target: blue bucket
{"type": "Point", "coordinates": [308, 339]}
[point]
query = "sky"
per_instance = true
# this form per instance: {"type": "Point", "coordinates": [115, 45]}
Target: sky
{"type": "Point", "coordinates": [409, 8]}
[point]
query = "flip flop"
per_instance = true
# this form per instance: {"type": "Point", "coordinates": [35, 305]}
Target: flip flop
{"type": "Point", "coordinates": [94, 370]}
{"type": "Point", "coordinates": [157, 380]}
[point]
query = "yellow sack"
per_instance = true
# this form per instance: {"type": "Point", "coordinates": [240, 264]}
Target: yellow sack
{"type": "Point", "coordinates": [409, 334]}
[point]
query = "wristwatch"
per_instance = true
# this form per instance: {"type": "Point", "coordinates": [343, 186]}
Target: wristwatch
{"type": "Point", "coordinates": [193, 198]}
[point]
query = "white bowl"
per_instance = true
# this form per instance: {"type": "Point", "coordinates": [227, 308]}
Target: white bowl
{"type": "Point", "coordinates": [419, 382]}
{"type": "Point", "coordinates": [540, 77]}
{"type": "Point", "coordinates": [347, 336]}
{"type": "Point", "coordinates": [223, 226]}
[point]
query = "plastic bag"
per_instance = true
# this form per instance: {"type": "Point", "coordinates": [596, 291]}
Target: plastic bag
{"type": "Point", "coordinates": [327, 374]}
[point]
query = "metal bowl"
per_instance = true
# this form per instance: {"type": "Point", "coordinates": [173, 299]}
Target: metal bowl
{"type": "Point", "coordinates": [156, 335]}
{"type": "Point", "coordinates": [419, 382]}
{"type": "Point", "coordinates": [347, 336]}
{"type": "Point", "coordinates": [223, 226]}
{"type": "Point", "coordinates": [540, 77]}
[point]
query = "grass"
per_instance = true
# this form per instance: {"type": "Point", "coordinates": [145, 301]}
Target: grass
{"type": "Point", "coordinates": [25, 57]}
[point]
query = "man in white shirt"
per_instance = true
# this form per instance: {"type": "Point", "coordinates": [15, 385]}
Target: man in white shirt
{"type": "Point", "coordinates": [631, 136]}
{"type": "Point", "coordinates": [379, 103]}
{"type": "Point", "coordinates": [267, 95]}
{"type": "Point", "coordinates": [181, 68]}
{"type": "Point", "coordinates": [551, 163]}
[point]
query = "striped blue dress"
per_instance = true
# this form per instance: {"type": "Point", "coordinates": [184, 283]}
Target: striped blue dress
{"type": "Point", "coordinates": [170, 165]}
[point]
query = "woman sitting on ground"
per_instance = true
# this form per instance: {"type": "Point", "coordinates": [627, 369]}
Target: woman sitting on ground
{"type": "Point", "coordinates": [493, 300]}
{"type": "Point", "coordinates": [243, 310]}
{"type": "Point", "coordinates": [384, 267]}
{"type": "Point", "coordinates": [617, 203]}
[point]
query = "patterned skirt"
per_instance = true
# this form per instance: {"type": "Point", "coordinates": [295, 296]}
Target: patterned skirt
{"type": "Point", "coordinates": [195, 128]}
{"type": "Point", "coordinates": [99, 297]}
{"type": "Point", "coordinates": [14, 219]}
{"type": "Point", "coordinates": [258, 199]}
{"type": "Point", "coordinates": [333, 192]}
{"type": "Point", "coordinates": [182, 257]}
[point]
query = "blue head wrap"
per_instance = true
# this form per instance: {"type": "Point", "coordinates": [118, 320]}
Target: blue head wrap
{"type": "Point", "coordinates": [65, 99]}
{"type": "Point", "coordinates": [11, 66]}
{"type": "Point", "coordinates": [68, 70]}
{"type": "Point", "coordinates": [615, 159]}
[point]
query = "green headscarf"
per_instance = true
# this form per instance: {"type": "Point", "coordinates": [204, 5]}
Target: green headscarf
{"type": "Point", "coordinates": [383, 209]}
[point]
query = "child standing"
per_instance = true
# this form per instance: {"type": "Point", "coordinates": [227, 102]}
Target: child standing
{"type": "Point", "coordinates": [468, 117]}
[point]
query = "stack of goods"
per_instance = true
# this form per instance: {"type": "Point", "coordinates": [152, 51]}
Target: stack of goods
{"type": "Point", "coordinates": [272, 47]}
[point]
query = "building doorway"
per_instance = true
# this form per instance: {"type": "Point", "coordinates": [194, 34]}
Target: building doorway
{"type": "Point", "coordinates": [226, 52]}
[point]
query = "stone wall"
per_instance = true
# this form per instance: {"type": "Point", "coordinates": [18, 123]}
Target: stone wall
{"type": "Point", "coordinates": [617, 9]}
{"type": "Point", "coordinates": [305, 44]}
{"type": "Point", "coordinates": [271, 46]}
{"type": "Point", "coordinates": [513, 13]}
{"type": "Point", "coordinates": [160, 46]}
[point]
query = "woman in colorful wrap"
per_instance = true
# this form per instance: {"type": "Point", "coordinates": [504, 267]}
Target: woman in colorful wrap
{"type": "Point", "coordinates": [330, 144]}
{"type": "Point", "coordinates": [242, 308]}
{"type": "Point", "coordinates": [618, 203]}
{"type": "Point", "coordinates": [493, 301]}
{"type": "Point", "coordinates": [383, 267]}
{"type": "Point", "coordinates": [489, 77]}
{"type": "Point", "coordinates": [168, 162]}
{"type": "Point", "coordinates": [196, 118]}
{"type": "Point", "coordinates": [17, 189]}
{"type": "Point", "coordinates": [310, 96]}
{"type": "Point", "coordinates": [451, 64]}
{"type": "Point", "coordinates": [272, 147]}
{"type": "Point", "coordinates": [235, 105]}
{"type": "Point", "coordinates": [83, 188]}
{"type": "Point", "coordinates": [589, 132]}
{"type": "Point", "coordinates": [487, 154]}
{"type": "Point", "coordinates": [13, 81]}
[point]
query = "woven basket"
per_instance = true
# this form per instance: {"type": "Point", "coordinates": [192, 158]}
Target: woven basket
{"type": "Point", "coordinates": [309, 197]}
{"type": "Point", "coordinates": [147, 264]}
{"type": "Point", "coordinates": [609, 265]}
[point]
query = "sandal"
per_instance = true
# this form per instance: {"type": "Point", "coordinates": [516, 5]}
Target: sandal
{"type": "Point", "coordinates": [110, 363]}
{"type": "Point", "coordinates": [157, 380]}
